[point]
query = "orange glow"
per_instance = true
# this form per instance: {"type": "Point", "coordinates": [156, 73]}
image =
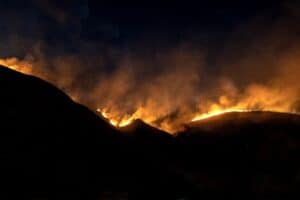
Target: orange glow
{"type": "Point", "coordinates": [125, 121]}
{"type": "Point", "coordinates": [216, 113]}
{"type": "Point", "coordinates": [168, 103]}
{"type": "Point", "coordinates": [14, 64]}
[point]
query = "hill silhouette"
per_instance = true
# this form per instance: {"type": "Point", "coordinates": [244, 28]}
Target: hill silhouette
{"type": "Point", "coordinates": [233, 122]}
{"type": "Point", "coordinates": [50, 144]}
{"type": "Point", "coordinates": [250, 155]}
{"type": "Point", "coordinates": [54, 148]}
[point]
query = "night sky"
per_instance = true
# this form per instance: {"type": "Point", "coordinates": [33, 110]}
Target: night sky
{"type": "Point", "coordinates": [124, 25]}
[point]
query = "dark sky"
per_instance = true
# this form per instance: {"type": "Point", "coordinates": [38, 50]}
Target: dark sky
{"type": "Point", "coordinates": [121, 24]}
{"type": "Point", "coordinates": [92, 26]}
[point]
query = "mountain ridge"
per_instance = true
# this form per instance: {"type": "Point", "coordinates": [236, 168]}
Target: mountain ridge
{"type": "Point", "coordinates": [52, 147]}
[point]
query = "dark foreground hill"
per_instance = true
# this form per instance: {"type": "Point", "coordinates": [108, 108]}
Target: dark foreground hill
{"type": "Point", "coordinates": [252, 155]}
{"type": "Point", "coordinates": [53, 148]}
{"type": "Point", "coordinates": [49, 145]}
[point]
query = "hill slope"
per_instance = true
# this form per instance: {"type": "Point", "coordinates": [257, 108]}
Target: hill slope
{"type": "Point", "coordinates": [49, 144]}
{"type": "Point", "coordinates": [52, 147]}
{"type": "Point", "coordinates": [252, 155]}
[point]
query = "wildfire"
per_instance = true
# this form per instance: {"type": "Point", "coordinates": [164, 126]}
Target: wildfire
{"type": "Point", "coordinates": [216, 113]}
{"type": "Point", "coordinates": [17, 65]}
{"type": "Point", "coordinates": [167, 111]}
{"type": "Point", "coordinates": [125, 121]}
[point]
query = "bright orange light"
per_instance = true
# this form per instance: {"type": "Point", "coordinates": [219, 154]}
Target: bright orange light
{"type": "Point", "coordinates": [121, 122]}
{"type": "Point", "coordinates": [216, 113]}
{"type": "Point", "coordinates": [156, 105]}
{"type": "Point", "coordinates": [14, 64]}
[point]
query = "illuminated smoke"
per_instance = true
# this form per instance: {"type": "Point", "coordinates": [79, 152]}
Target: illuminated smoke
{"type": "Point", "coordinates": [259, 69]}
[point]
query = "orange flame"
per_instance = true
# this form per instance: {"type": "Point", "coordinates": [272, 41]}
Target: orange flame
{"type": "Point", "coordinates": [254, 97]}
{"type": "Point", "coordinates": [125, 121]}
{"type": "Point", "coordinates": [216, 113]}
{"type": "Point", "coordinates": [17, 65]}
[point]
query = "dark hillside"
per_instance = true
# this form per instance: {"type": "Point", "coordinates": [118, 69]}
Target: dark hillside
{"type": "Point", "coordinates": [54, 148]}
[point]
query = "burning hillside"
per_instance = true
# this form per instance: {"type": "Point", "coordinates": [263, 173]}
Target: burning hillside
{"type": "Point", "coordinates": [168, 85]}
{"type": "Point", "coordinates": [171, 108]}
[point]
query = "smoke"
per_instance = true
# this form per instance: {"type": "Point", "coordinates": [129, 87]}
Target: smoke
{"type": "Point", "coordinates": [266, 60]}
{"type": "Point", "coordinates": [170, 85]}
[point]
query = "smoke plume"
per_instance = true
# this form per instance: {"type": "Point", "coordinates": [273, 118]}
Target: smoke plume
{"type": "Point", "coordinates": [168, 86]}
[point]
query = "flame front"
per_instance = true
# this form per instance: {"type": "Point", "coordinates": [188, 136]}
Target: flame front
{"type": "Point", "coordinates": [216, 113]}
{"type": "Point", "coordinates": [171, 100]}
{"type": "Point", "coordinates": [121, 122]}
{"type": "Point", "coordinates": [17, 65]}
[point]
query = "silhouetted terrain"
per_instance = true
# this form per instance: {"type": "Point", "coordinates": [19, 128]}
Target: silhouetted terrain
{"type": "Point", "coordinates": [51, 145]}
{"type": "Point", "coordinates": [251, 155]}
{"type": "Point", "coordinates": [53, 148]}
